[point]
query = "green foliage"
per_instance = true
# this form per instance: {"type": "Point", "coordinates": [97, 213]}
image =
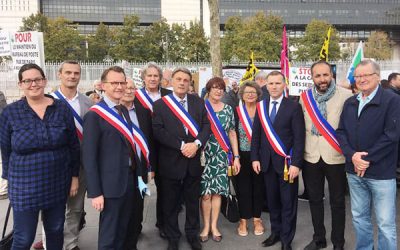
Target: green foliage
{"type": "Point", "coordinates": [378, 46]}
{"type": "Point", "coordinates": [309, 46]}
{"type": "Point", "coordinates": [260, 33]}
{"type": "Point", "coordinates": [100, 43]}
{"type": "Point", "coordinates": [35, 22]}
{"type": "Point", "coordinates": [196, 44]}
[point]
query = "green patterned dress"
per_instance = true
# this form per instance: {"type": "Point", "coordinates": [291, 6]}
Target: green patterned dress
{"type": "Point", "coordinates": [215, 175]}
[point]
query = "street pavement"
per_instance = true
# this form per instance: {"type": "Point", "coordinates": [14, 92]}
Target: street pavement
{"type": "Point", "coordinates": [151, 240]}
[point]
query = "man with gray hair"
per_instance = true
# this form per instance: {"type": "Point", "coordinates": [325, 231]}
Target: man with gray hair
{"type": "Point", "coordinates": [261, 79]}
{"type": "Point", "coordinates": [368, 134]}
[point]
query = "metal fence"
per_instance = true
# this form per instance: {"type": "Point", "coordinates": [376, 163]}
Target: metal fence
{"type": "Point", "coordinates": [92, 71]}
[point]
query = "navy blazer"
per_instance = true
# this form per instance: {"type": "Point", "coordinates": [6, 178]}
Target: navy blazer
{"type": "Point", "coordinates": [289, 125]}
{"type": "Point", "coordinates": [105, 155]}
{"type": "Point", "coordinates": [376, 131]}
{"type": "Point", "coordinates": [169, 132]}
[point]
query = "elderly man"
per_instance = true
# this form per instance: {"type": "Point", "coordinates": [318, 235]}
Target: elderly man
{"type": "Point", "coordinates": [97, 89]}
{"type": "Point", "coordinates": [261, 79]}
{"type": "Point", "coordinates": [394, 82]}
{"type": "Point", "coordinates": [322, 157]}
{"type": "Point", "coordinates": [368, 134]}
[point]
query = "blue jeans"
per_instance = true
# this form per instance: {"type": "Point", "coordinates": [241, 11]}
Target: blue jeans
{"type": "Point", "coordinates": [378, 194]}
{"type": "Point", "coordinates": [25, 224]}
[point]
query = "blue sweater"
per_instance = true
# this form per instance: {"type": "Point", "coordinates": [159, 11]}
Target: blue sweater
{"type": "Point", "coordinates": [376, 131]}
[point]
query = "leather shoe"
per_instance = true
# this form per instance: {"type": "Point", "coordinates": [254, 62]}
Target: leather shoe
{"type": "Point", "coordinates": [194, 243]}
{"type": "Point", "coordinates": [314, 245]}
{"type": "Point", "coordinates": [286, 247]}
{"type": "Point", "coordinates": [271, 240]}
{"type": "Point", "coordinates": [172, 245]}
{"type": "Point", "coordinates": [338, 248]}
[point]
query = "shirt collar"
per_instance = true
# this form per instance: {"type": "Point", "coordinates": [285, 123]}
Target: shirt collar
{"type": "Point", "coordinates": [178, 98]}
{"type": "Point", "coordinates": [279, 100]}
{"type": "Point", "coordinates": [109, 103]}
{"type": "Point", "coordinates": [370, 97]}
{"type": "Point", "coordinates": [73, 98]}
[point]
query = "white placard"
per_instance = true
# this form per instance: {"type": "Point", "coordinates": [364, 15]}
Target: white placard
{"type": "Point", "coordinates": [299, 80]}
{"type": "Point", "coordinates": [5, 43]}
{"type": "Point", "coordinates": [27, 47]}
{"type": "Point", "coordinates": [137, 77]}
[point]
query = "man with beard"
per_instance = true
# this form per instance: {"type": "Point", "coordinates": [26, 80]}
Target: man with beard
{"type": "Point", "coordinates": [322, 156]}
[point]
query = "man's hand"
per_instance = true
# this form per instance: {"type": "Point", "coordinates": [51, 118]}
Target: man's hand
{"type": "Point", "coordinates": [360, 165]}
{"type": "Point", "coordinates": [256, 166]}
{"type": "Point", "coordinates": [74, 186]}
{"type": "Point", "coordinates": [236, 166]}
{"type": "Point", "coordinates": [189, 149]}
{"type": "Point", "coordinates": [98, 203]}
{"type": "Point", "coordinates": [293, 173]}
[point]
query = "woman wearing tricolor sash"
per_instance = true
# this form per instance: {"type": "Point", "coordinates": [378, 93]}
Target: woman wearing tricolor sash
{"type": "Point", "coordinates": [219, 151]}
{"type": "Point", "coordinates": [250, 186]}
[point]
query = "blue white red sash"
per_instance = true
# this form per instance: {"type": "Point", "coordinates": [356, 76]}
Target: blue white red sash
{"type": "Point", "coordinates": [218, 130]}
{"type": "Point", "coordinates": [144, 99]}
{"type": "Point", "coordinates": [115, 120]}
{"type": "Point", "coordinates": [77, 119]}
{"type": "Point", "coordinates": [141, 141]}
{"type": "Point", "coordinates": [324, 128]}
{"type": "Point", "coordinates": [245, 120]}
{"type": "Point", "coordinates": [272, 136]}
{"type": "Point", "coordinates": [181, 114]}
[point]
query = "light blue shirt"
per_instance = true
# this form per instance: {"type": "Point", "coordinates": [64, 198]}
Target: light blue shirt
{"type": "Point", "coordinates": [134, 119]}
{"type": "Point", "coordinates": [366, 100]}
{"type": "Point", "coordinates": [110, 103]}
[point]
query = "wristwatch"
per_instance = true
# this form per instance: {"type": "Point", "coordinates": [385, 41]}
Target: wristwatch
{"type": "Point", "coordinates": [237, 156]}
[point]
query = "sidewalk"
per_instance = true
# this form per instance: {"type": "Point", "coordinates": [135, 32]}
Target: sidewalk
{"type": "Point", "coordinates": [151, 240]}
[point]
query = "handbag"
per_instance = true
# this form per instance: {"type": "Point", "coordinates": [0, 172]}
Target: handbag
{"type": "Point", "coordinates": [229, 204]}
{"type": "Point", "coordinates": [6, 240]}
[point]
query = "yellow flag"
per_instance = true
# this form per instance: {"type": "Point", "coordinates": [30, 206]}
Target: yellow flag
{"type": "Point", "coordinates": [251, 70]}
{"type": "Point", "coordinates": [323, 54]}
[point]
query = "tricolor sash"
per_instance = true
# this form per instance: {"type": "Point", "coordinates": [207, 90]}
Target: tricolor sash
{"type": "Point", "coordinates": [141, 141]}
{"type": "Point", "coordinates": [324, 128]}
{"type": "Point", "coordinates": [218, 130]}
{"type": "Point", "coordinates": [77, 119]}
{"type": "Point", "coordinates": [144, 99]}
{"type": "Point", "coordinates": [115, 120]}
{"type": "Point", "coordinates": [245, 120]}
{"type": "Point", "coordinates": [181, 114]}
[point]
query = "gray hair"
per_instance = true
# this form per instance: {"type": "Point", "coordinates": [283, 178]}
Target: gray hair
{"type": "Point", "coordinates": [375, 65]}
{"type": "Point", "coordinates": [261, 74]}
{"type": "Point", "coordinates": [183, 70]}
{"type": "Point", "coordinates": [251, 84]}
{"type": "Point", "coordinates": [151, 65]}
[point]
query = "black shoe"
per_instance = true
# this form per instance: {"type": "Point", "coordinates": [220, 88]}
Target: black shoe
{"type": "Point", "coordinates": [314, 245]}
{"type": "Point", "coordinates": [271, 240]}
{"type": "Point", "coordinates": [286, 247]}
{"type": "Point", "coordinates": [338, 248]}
{"type": "Point", "coordinates": [172, 245]}
{"type": "Point", "coordinates": [194, 243]}
{"type": "Point", "coordinates": [303, 197]}
{"type": "Point", "coordinates": [162, 233]}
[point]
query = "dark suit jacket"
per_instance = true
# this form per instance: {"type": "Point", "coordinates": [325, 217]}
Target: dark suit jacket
{"type": "Point", "coordinates": [105, 157]}
{"type": "Point", "coordinates": [289, 125]}
{"type": "Point", "coordinates": [169, 132]}
{"type": "Point", "coordinates": [145, 123]}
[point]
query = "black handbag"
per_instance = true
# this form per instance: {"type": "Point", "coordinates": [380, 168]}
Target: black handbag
{"type": "Point", "coordinates": [229, 204]}
{"type": "Point", "coordinates": [6, 240]}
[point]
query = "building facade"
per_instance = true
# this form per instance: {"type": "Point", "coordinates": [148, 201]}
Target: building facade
{"type": "Point", "coordinates": [12, 12]}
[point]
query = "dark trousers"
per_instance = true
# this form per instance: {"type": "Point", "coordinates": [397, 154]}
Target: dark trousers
{"type": "Point", "coordinates": [159, 213]}
{"type": "Point", "coordinates": [135, 222]}
{"type": "Point", "coordinates": [189, 187]}
{"type": "Point", "coordinates": [25, 224]}
{"type": "Point", "coordinates": [250, 189]}
{"type": "Point", "coordinates": [282, 204]}
{"type": "Point", "coordinates": [314, 178]}
{"type": "Point", "coordinates": [115, 217]}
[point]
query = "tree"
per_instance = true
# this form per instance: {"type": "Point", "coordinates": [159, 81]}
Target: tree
{"type": "Point", "coordinates": [175, 44]}
{"type": "Point", "coordinates": [100, 43]}
{"type": "Point", "coordinates": [378, 46]}
{"type": "Point", "coordinates": [309, 46]}
{"type": "Point", "coordinates": [259, 33]}
{"type": "Point", "coordinates": [35, 22]}
{"type": "Point", "coordinates": [197, 47]}
{"type": "Point", "coordinates": [156, 41]}
{"type": "Point", "coordinates": [215, 43]}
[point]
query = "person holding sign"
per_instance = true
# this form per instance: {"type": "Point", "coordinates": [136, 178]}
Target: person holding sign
{"type": "Point", "coordinates": [277, 148]}
{"type": "Point", "coordinates": [221, 152]}
{"type": "Point", "coordinates": [322, 105]}
{"type": "Point", "coordinates": [181, 127]}
{"type": "Point", "coordinates": [110, 160]}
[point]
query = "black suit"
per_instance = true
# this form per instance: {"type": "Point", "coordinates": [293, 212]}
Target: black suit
{"type": "Point", "coordinates": [281, 195]}
{"type": "Point", "coordinates": [106, 157]}
{"type": "Point", "coordinates": [178, 173]}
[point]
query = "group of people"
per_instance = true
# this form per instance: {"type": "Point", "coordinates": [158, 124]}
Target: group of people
{"type": "Point", "coordinates": [56, 148]}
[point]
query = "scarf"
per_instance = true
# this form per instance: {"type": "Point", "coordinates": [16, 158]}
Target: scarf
{"type": "Point", "coordinates": [321, 99]}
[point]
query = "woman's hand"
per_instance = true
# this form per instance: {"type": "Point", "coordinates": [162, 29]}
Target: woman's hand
{"type": "Point", "coordinates": [74, 186]}
{"type": "Point", "coordinates": [236, 166]}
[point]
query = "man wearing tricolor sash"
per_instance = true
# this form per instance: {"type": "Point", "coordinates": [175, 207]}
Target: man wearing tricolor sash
{"type": "Point", "coordinates": [323, 158]}
{"type": "Point", "coordinates": [144, 100]}
{"type": "Point", "coordinates": [69, 74]}
{"type": "Point", "coordinates": [277, 148]}
{"type": "Point", "coordinates": [110, 160]}
{"type": "Point", "coordinates": [181, 127]}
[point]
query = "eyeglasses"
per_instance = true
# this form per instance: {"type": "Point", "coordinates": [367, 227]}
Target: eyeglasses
{"type": "Point", "coordinates": [116, 84]}
{"type": "Point", "coordinates": [28, 82]}
{"type": "Point", "coordinates": [365, 76]}
{"type": "Point", "coordinates": [217, 88]}
{"type": "Point", "coordinates": [131, 89]}
{"type": "Point", "coordinates": [250, 92]}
